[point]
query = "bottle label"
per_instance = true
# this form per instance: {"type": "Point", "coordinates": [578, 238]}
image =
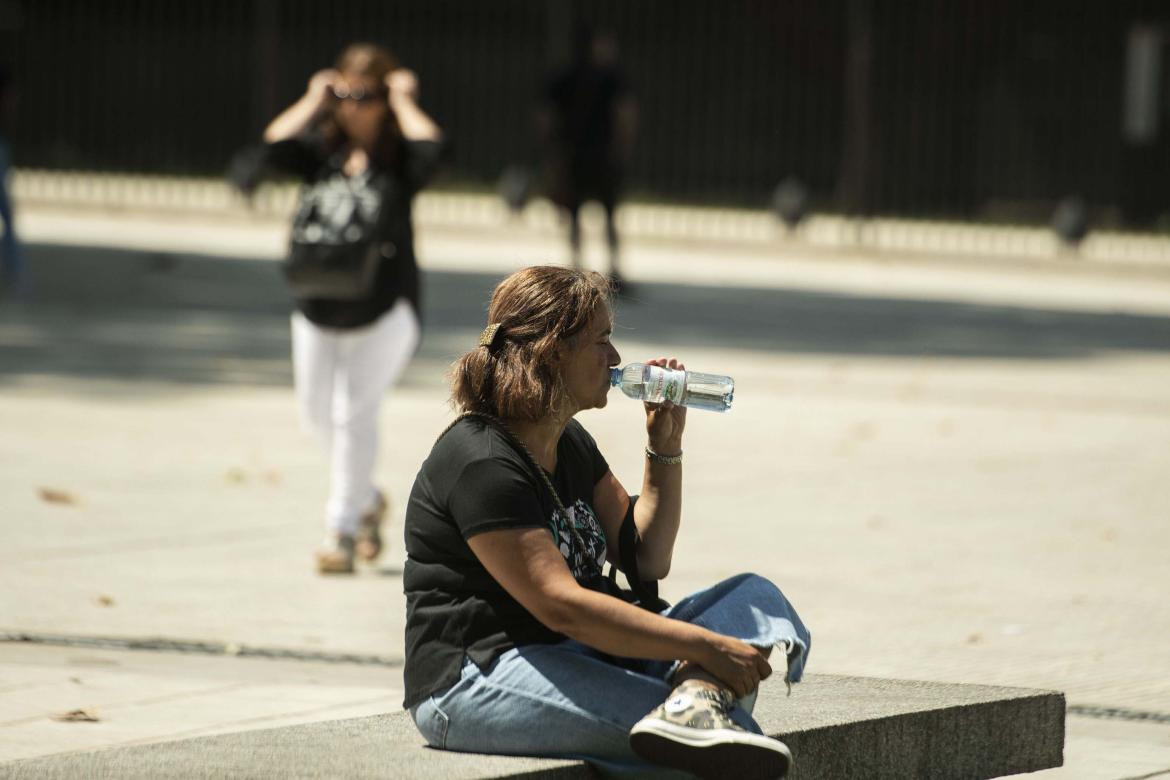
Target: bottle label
{"type": "Point", "coordinates": [665, 385]}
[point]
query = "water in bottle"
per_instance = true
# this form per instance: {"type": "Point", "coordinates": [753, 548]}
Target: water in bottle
{"type": "Point", "coordinates": [655, 384]}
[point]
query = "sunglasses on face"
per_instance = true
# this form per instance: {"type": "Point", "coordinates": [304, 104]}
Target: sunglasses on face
{"type": "Point", "coordinates": [357, 94]}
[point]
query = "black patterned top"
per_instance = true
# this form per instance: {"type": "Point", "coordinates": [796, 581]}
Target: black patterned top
{"type": "Point", "coordinates": [475, 481]}
{"type": "Point", "coordinates": [385, 193]}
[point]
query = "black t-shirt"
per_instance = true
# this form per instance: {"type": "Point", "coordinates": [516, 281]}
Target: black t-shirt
{"type": "Point", "coordinates": [386, 190]}
{"type": "Point", "coordinates": [474, 481]}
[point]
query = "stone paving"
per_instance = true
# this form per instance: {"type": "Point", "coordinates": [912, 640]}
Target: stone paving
{"type": "Point", "coordinates": [956, 471]}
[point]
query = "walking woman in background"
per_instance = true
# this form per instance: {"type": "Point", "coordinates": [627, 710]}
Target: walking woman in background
{"type": "Point", "coordinates": [515, 641]}
{"type": "Point", "coordinates": [364, 148]}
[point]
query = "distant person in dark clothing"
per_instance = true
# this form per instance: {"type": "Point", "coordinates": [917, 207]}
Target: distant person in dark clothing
{"type": "Point", "coordinates": [11, 266]}
{"type": "Point", "coordinates": [363, 148]}
{"type": "Point", "coordinates": [587, 124]}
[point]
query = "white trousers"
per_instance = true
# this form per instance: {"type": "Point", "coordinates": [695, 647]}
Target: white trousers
{"type": "Point", "coordinates": [341, 377]}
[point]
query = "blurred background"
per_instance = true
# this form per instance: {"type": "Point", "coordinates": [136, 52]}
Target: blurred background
{"type": "Point", "coordinates": [926, 237]}
{"type": "Point", "coordinates": [982, 110]}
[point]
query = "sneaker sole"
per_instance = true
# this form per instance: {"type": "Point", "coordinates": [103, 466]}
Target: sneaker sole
{"type": "Point", "coordinates": [712, 753]}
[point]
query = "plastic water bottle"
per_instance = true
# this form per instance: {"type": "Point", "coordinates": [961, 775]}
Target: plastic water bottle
{"type": "Point", "coordinates": [655, 384]}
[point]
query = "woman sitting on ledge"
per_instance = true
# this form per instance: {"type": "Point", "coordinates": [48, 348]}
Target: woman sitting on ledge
{"type": "Point", "coordinates": [516, 643]}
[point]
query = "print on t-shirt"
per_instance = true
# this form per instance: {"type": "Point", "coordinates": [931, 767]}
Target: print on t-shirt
{"type": "Point", "coordinates": [583, 563]}
{"type": "Point", "coordinates": [337, 210]}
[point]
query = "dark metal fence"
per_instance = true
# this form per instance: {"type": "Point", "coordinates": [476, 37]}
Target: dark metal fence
{"type": "Point", "coordinates": [958, 108]}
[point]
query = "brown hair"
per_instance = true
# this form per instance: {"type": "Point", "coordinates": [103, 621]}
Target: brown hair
{"type": "Point", "coordinates": [367, 60]}
{"type": "Point", "coordinates": [373, 62]}
{"type": "Point", "coordinates": [540, 310]}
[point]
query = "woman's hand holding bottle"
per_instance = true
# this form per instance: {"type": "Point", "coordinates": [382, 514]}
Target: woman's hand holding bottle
{"type": "Point", "coordinates": [655, 381]}
{"type": "Point", "coordinates": [665, 421]}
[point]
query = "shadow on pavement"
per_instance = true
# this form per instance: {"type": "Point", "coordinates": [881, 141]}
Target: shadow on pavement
{"type": "Point", "coordinates": [191, 319]}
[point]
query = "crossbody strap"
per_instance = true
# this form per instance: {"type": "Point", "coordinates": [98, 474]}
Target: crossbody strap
{"type": "Point", "coordinates": [533, 466]}
{"type": "Point", "coordinates": [628, 543]}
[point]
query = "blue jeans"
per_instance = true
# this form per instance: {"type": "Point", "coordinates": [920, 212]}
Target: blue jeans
{"type": "Point", "coordinates": [567, 700]}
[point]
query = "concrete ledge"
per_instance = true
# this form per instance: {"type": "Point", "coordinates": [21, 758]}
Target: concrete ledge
{"type": "Point", "coordinates": [836, 727]}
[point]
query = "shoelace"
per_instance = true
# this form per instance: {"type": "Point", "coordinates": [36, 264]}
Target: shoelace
{"type": "Point", "coordinates": [722, 698]}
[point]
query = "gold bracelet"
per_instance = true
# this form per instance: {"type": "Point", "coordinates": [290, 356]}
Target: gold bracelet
{"type": "Point", "coordinates": [668, 460]}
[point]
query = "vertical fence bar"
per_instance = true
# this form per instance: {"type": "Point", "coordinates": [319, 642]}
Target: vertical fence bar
{"type": "Point", "coordinates": [960, 108]}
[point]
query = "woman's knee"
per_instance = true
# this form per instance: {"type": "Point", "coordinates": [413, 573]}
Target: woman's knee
{"type": "Point", "coordinates": [746, 587]}
{"type": "Point", "coordinates": [753, 587]}
{"type": "Point", "coordinates": [750, 579]}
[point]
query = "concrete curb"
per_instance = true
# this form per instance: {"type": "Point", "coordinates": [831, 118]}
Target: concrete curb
{"type": "Point", "coordinates": [748, 227]}
{"type": "Point", "coordinates": [836, 727]}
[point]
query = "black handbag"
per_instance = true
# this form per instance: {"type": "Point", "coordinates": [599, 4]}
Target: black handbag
{"type": "Point", "coordinates": [335, 271]}
{"type": "Point", "coordinates": [335, 250]}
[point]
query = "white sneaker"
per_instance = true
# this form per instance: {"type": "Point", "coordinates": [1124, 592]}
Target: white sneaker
{"type": "Point", "coordinates": [693, 731]}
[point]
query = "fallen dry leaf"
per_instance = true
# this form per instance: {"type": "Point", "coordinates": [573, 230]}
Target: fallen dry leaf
{"type": "Point", "coordinates": [76, 716]}
{"type": "Point", "coordinates": [55, 496]}
{"type": "Point", "coordinates": [862, 430]}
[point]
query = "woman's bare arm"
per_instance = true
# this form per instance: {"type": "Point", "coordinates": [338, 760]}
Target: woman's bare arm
{"type": "Point", "coordinates": [530, 567]}
{"type": "Point", "coordinates": [412, 120]}
{"type": "Point", "coordinates": [657, 516]}
{"type": "Point", "coordinates": [298, 117]}
{"type": "Point", "coordinates": [659, 509]}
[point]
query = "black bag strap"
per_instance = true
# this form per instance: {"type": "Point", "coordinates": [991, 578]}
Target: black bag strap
{"type": "Point", "coordinates": [629, 541]}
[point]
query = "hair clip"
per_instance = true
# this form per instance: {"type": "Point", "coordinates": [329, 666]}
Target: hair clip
{"type": "Point", "coordinates": [488, 337]}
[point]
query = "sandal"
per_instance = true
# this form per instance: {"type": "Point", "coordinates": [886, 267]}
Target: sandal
{"type": "Point", "coordinates": [335, 555]}
{"type": "Point", "coordinates": [369, 535]}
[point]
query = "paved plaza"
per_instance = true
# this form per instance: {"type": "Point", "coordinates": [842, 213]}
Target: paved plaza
{"type": "Point", "coordinates": [958, 471]}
